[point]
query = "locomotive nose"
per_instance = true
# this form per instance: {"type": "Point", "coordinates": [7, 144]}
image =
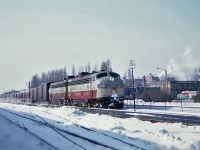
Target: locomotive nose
{"type": "Point", "coordinates": [116, 82]}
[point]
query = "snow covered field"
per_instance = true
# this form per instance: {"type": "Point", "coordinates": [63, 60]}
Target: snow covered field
{"type": "Point", "coordinates": [144, 134]}
{"type": "Point", "coordinates": [168, 107]}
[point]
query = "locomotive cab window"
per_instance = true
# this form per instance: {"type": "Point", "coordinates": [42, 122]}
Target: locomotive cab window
{"type": "Point", "coordinates": [115, 75]}
{"type": "Point", "coordinates": [101, 75]}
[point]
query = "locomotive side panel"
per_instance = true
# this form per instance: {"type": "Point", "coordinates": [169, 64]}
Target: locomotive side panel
{"type": "Point", "coordinates": [58, 91]}
{"type": "Point", "coordinates": [80, 88]}
{"type": "Point", "coordinates": [81, 91]}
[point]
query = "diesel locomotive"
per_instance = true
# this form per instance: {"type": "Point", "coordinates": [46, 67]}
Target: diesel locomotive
{"type": "Point", "coordinates": [85, 90]}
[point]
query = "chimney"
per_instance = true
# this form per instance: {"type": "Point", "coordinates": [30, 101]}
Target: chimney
{"type": "Point", "coordinates": [144, 81]}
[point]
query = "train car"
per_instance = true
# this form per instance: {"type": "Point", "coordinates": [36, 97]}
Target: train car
{"type": "Point", "coordinates": [58, 92]}
{"type": "Point", "coordinates": [18, 96]}
{"type": "Point", "coordinates": [9, 97]}
{"type": "Point", "coordinates": [95, 89]}
{"type": "Point", "coordinates": [5, 97]}
{"type": "Point", "coordinates": [24, 96]}
{"type": "Point", "coordinates": [79, 90]}
{"type": "Point", "coordinates": [87, 89]}
{"type": "Point", "coordinates": [34, 95]}
{"type": "Point", "coordinates": [43, 93]}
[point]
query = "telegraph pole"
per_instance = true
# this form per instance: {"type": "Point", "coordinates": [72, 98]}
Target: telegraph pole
{"type": "Point", "coordinates": [29, 86]}
{"type": "Point", "coordinates": [166, 83]}
{"type": "Point", "coordinates": [132, 66]}
{"type": "Point", "coordinates": [165, 70]}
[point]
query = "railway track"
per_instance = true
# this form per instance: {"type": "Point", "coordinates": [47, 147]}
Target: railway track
{"type": "Point", "coordinates": [148, 116]}
{"type": "Point", "coordinates": [92, 130]}
{"type": "Point", "coordinates": [27, 130]}
{"type": "Point", "coordinates": [71, 136]}
{"type": "Point", "coordinates": [171, 118]}
{"type": "Point", "coordinates": [152, 117]}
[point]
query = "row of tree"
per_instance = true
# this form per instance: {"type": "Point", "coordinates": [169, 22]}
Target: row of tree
{"type": "Point", "coordinates": [61, 74]}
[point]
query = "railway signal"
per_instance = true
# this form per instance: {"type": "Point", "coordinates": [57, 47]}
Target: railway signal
{"type": "Point", "coordinates": [132, 66]}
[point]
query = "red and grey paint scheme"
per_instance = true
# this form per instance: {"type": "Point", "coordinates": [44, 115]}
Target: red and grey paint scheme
{"type": "Point", "coordinates": [86, 89]}
{"type": "Point", "coordinates": [16, 96]}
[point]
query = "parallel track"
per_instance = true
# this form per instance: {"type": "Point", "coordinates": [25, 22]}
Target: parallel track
{"type": "Point", "coordinates": [88, 129]}
{"type": "Point", "coordinates": [152, 117]}
{"type": "Point", "coordinates": [58, 130]}
{"type": "Point", "coordinates": [25, 129]}
{"type": "Point", "coordinates": [64, 132]}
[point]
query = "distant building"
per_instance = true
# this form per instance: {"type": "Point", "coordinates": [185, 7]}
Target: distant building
{"type": "Point", "coordinates": [129, 82]}
{"type": "Point", "coordinates": [176, 87]}
{"type": "Point", "coordinates": [171, 86]}
{"type": "Point", "coordinates": [154, 81]}
{"type": "Point", "coordinates": [152, 78]}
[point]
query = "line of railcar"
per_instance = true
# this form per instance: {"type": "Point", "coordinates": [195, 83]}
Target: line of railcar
{"type": "Point", "coordinates": [86, 90]}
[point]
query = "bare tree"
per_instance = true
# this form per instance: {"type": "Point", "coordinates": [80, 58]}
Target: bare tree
{"type": "Point", "coordinates": [44, 78]}
{"type": "Point", "coordinates": [95, 67]}
{"type": "Point", "coordinates": [103, 66]}
{"type": "Point", "coordinates": [88, 67]}
{"type": "Point", "coordinates": [35, 81]}
{"type": "Point", "coordinates": [65, 73]}
{"type": "Point", "coordinates": [51, 76]}
{"type": "Point", "coordinates": [109, 66]}
{"type": "Point", "coordinates": [73, 70]}
{"type": "Point", "coordinates": [80, 69]}
{"type": "Point", "coordinates": [106, 65]}
{"type": "Point", "coordinates": [59, 74]}
{"type": "Point", "coordinates": [196, 75]}
{"type": "Point", "coordinates": [129, 74]}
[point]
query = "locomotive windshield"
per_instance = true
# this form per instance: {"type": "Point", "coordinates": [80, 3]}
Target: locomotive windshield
{"type": "Point", "coordinates": [115, 75]}
{"type": "Point", "coordinates": [105, 74]}
{"type": "Point", "coordinates": [101, 75]}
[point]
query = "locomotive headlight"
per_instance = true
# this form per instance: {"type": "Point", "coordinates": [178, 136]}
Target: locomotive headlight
{"type": "Point", "coordinates": [112, 79]}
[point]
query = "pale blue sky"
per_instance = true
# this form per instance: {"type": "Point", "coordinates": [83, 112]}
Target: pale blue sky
{"type": "Point", "coordinates": [41, 35]}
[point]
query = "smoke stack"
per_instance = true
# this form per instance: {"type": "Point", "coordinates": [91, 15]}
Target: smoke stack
{"type": "Point", "coordinates": [144, 81]}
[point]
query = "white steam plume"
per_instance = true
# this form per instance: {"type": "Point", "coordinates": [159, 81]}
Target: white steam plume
{"type": "Point", "coordinates": [184, 67]}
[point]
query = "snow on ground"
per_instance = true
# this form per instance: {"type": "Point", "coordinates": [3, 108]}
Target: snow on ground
{"type": "Point", "coordinates": [144, 134]}
{"type": "Point", "coordinates": [187, 107]}
{"type": "Point", "coordinates": [12, 137]}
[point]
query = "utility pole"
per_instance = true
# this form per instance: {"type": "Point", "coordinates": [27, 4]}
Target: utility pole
{"type": "Point", "coordinates": [29, 86]}
{"type": "Point", "coordinates": [132, 66]}
{"type": "Point", "coordinates": [166, 83]}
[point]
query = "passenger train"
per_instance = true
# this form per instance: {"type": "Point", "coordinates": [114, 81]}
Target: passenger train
{"type": "Point", "coordinates": [86, 90]}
